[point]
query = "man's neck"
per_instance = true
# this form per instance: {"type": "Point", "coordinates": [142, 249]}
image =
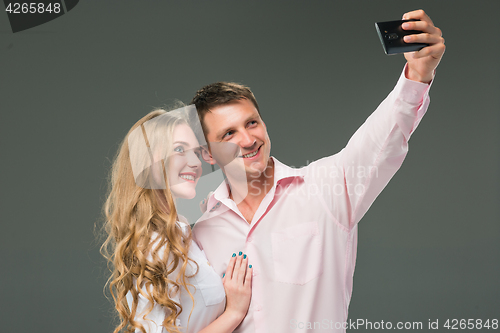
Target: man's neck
{"type": "Point", "coordinates": [248, 199]}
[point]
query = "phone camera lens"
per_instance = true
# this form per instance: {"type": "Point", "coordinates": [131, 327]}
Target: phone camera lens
{"type": "Point", "coordinates": [392, 36]}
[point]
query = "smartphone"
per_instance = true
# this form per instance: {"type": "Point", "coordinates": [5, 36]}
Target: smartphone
{"type": "Point", "coordinates": [391, 36]}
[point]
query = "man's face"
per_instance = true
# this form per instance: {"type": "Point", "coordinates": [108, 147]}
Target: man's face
{"type": "Point", "coordinates": [239, 123]}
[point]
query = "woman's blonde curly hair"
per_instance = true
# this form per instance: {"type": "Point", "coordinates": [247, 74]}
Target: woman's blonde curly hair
{"type": "Point", "coordinates": [133, 215]}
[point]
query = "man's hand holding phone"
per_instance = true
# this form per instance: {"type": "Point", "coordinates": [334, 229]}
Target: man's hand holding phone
{"type": "Point", "coordinates": [422, 64]}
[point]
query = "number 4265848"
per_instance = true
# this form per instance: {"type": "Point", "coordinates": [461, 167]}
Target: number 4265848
{"type": "Point", "coordinates": [456, 324]}
{"type": "Point", "coordinates": [33, 8]}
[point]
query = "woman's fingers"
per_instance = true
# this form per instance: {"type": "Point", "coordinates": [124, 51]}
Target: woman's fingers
{"type": "Point", "coordinates": [237, 269]}
{"type": "Point", "coordinates": [230, 267]}
{"type": "Point", "coordinates": [237, 284]}
{"type": "Point", "coordinates": [234, 265]}
{"type": "Point", "coordinates": [242, 269]}
{"type": "Point", "coordinates": [248, 277]}
{"type": "Point", "coordinates": [238, 265]}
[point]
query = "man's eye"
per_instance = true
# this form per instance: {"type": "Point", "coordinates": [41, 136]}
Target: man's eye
{"type": "Point", "coordinates": [252, 123]}
{"type": "Point", "coordinates": [179, 149]}
{"type": "Point", "coordinates": [228, 134]}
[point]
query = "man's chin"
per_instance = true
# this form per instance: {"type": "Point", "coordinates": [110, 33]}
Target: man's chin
{"type": "Point", "coordinates": [255, 170]}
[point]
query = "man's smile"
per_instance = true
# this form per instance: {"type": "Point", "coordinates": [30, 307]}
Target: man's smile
{"type": "Point", "coordinates": [252, 154]}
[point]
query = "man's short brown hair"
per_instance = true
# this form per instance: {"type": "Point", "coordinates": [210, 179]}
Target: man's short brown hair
{"type": "Point", "coordinates": [220, 93]}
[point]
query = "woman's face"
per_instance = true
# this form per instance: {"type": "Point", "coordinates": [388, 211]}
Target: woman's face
{"type": "Point", "coordinates": [184, 166]}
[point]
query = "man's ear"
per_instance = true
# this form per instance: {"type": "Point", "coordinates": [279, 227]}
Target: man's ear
{"type": "Point", "coordinates": [207, 157]}
{"type": "Point", "coordinates": [264, 124]}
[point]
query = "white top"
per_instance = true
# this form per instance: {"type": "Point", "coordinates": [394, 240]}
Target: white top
{"type": "Point", "coordinates": [208, 293]}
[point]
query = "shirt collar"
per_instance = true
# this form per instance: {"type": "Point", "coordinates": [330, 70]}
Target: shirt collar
{"type": "Point", "coordinates": [282, 171]}
{"type": "Point", "coordinates": [221, 194]}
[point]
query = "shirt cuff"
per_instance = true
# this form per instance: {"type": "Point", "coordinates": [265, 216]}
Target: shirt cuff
{"type": "Point", "coordinates": [411, 91]}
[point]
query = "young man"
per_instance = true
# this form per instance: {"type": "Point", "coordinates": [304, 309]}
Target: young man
{"type": "Point", "coordinates": [299, 226]}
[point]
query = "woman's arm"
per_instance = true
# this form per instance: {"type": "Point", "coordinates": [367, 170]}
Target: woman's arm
{"type": "Point", "coordinates": [238, 285]}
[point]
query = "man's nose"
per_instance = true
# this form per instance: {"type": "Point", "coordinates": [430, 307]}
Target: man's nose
{"type": "Point", "coordinates": [247, 140]}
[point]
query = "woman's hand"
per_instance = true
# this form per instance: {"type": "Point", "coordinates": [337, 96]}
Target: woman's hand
{"type": "Point", "coordinates": [238, 285]}
{"type": "Point", "coordinates": [204, 203]}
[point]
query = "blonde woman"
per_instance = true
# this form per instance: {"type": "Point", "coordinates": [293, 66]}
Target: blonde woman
{"type": "Point", "coordinates": [157, 162]}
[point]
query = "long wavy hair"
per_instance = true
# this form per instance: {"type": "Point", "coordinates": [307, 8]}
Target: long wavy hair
{"type": "Point", "coordinates": [134, 215]}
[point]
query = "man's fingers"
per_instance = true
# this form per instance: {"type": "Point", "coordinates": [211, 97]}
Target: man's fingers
{"type": "Point", "coordinates": [438, 32]}
{"type": "Point", "coordinates": [430, 35]}
{"type": "Point", "coordinates": [417, 15]}
{"type": "Point", "coordinates": [436, 51]}
{"type": "Point", "coordinates": [422, 26]}
{"type": "Point", "coordinates": [424, 38]}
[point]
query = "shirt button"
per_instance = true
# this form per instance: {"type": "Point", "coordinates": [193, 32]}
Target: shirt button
{"type": "Point", "coordinates": [250, 239]}
{"type": "Point", "coordinates": [258, 308]}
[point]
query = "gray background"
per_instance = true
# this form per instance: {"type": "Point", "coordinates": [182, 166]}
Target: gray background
{"type": "Point", "coordinates": [70, 90]}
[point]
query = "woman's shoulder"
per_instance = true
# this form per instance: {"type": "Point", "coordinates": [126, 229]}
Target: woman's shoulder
{"type": "Point", "coordinates": [182, 221]}
{"type": "Point", "coordinates": [157, 238]}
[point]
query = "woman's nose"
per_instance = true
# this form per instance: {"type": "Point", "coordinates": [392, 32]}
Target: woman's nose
{"type": "Point", "coordinates": [193, 160]}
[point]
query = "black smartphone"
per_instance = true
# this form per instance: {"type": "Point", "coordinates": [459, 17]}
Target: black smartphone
{"type": "Point", "coordinates": [391, 36]}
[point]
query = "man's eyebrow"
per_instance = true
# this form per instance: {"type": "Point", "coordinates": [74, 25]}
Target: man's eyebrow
{"type": "Point", "coordinates": [224, 130]}
{"type": "Point", "coordinates": [182, 143]}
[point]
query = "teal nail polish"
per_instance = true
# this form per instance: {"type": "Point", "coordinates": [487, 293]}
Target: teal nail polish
{"type": "Point", "coordinates": [250, 266]}
{"type": "Point", "coordinates": [240, 253]}
{"type": "Point", "coordinates": [223, 274]}
{"type": "Point", "coordinates": [234, 254]}
{"type": "Point", "coordinates": [244, 256]}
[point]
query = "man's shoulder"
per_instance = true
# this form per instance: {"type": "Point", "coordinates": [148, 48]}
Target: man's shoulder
{"type": "Point", "coordinates": [282, 170]}
{"type": "Point", "coordinates": [322, 167]}
{"type": "Point", "coordinates": [211, 215]}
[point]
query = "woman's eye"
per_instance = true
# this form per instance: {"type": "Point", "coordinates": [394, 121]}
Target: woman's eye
{"type": "Point", "coordinates": [179, 149]}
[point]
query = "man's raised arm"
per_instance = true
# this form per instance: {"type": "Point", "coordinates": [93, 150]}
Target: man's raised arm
{"type": "Point", "coordinates": [377, 149]}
